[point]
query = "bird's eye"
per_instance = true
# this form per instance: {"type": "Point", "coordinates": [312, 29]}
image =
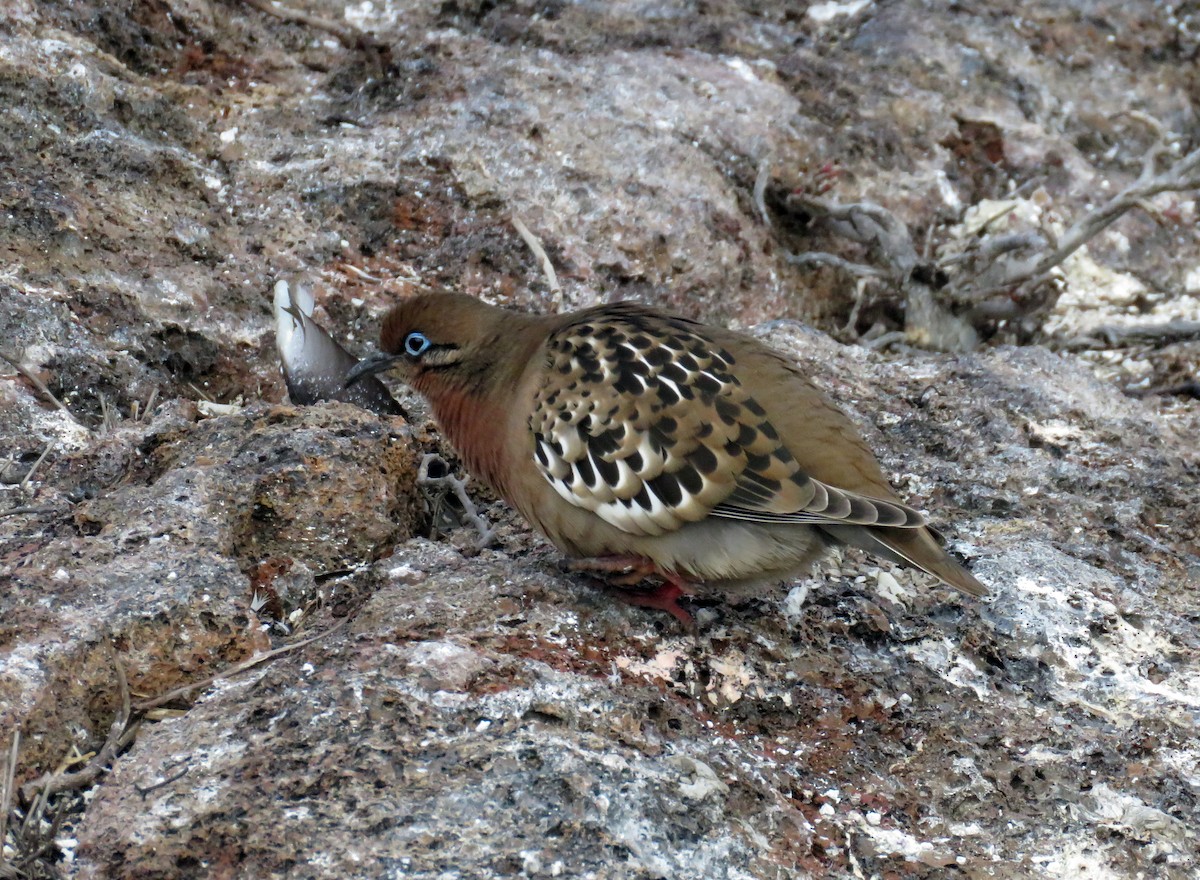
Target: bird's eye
{"type": "Point", "coordinates": [415, 344]}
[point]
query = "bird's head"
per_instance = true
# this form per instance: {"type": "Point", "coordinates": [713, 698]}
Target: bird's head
{"type": "Point", "coordinates": [439, 342]}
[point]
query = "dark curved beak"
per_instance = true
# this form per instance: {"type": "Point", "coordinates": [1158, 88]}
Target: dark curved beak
{"type": "Point", "coordinates": [369, 366]}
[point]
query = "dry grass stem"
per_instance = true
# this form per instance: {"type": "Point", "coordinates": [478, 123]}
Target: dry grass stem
{"type": "Point", "coordinates": [24, 484]}
{"type": "Point", "coordinates": [349, 37]}
{"type": "Point", "coordinates": [256, 660]}
{"type": "Point", "coordinates": [7, 775]}
{"type": "Point", "coordinates": [539, 252]}
{"type": "Point", "coordinates": [41, 387]}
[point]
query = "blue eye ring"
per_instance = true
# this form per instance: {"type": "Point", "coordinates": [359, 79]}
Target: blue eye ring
{"type": "Point", "coordinates": [416, 344]}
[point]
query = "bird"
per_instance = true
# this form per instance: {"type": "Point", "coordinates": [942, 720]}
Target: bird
{"type": "Point", "coordinates": [657, 451]}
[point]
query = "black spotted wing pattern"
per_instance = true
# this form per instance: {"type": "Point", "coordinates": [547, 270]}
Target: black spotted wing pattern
{"type": "Point", "coordinates": [643, 421]}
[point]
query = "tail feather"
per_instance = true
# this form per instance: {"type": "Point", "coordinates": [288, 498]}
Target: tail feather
{"type": "Point", "coordinates": [915, 547]}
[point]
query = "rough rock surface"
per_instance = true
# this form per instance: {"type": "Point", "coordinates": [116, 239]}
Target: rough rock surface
{"type": "Point", "coordinates": [479, 714]}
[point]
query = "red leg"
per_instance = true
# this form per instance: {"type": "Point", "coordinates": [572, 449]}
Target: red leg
{"type": "Point", "coordinates": [629, 572]}
{"type": "Point", "coordinates": [629, 569]}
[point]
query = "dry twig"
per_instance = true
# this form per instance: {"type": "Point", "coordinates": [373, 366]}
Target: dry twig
{"type": "Point", "coordinates": [1183, 175]}
{"type": "Point", "coordinates": [144, 790]}
{"type": "Point", "coordinates": [1110, 336]}
{"type": "Point", "coordinates": [459, 487]}
{"type": "Point", "coordinates": [1016, 266]}
{"type": "Point", "coordinates": [860, 296]}
{"type": "Point", "coordinates": [927, 322]}
{"type": "Point", "coordinates": [257, 659]}
{"type": "Point", "coordinates": [7, 776]}
{"type": "Point", "coordinates": [40, 386]}
{"type": "Point", "coordinates": [883, 340]}
{"type": "Point", "coordinates": [351, 38]}
{"type": "Point", "coordinates": [27, 509]}
{"type": "Point", "coordinates": [120, 735]}
{"type": "Point", "coordinates": [821, 258]}
{"type": "Point", "coordinates": [539, 252]}
{"type": "Point", "coordinates": [865, 223]}
{"type": "Point", "coordinates": [34, 840]}
{"type": "Point", "coordinates": [24, 484]}
{"type": "Point", "coordinates": [1189, 388]}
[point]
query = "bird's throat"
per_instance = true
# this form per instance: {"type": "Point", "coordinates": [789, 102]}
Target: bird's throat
{"type": "Point", "coordinates": [474, 423]}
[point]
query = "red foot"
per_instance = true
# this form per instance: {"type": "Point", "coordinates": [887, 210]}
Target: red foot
{"type": "Point", "coordinates": [629, 573]}
{"type": "Point", "coordinates": [664, 597]}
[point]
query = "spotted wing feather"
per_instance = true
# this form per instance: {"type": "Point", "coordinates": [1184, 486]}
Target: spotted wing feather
{"type": "Point", "coordinates": [643, 421]}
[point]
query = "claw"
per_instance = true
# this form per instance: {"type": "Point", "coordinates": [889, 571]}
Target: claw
{"type": "Point", "coordinates": [624, 574]}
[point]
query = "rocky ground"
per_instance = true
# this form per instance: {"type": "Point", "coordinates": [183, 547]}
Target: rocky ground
{"type": "Point", "coordinates": [467, 713]}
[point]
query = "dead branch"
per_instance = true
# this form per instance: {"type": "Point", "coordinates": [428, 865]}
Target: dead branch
{"type": "Point", "coordinates": [821, 258]}
{"type": "Point", "coordinates": [458, 487]}
{"type": "Point", "coordinates": [927, 322]}
{"type": "Point", "coordinates": [865, 223]}
{"type": "Point", "coordinates": [1156, 335]}
{"type": "Point", "coordinates": [1189, 388]}
{"type": "Point", "coordinates": [885, 339]}
{"type": "Point", "coordinates": [990, 249]}
{"type": "Point", "coordinates": [120, 735]}
{"type": "Point", "coordinates": [860, 296]}
{"type": "Point", "coordinates": [998, 277]}
{"type": "Point", "coordinates": [1183, 175]}
{"type": "Point", "coordinates": [27, 509]}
